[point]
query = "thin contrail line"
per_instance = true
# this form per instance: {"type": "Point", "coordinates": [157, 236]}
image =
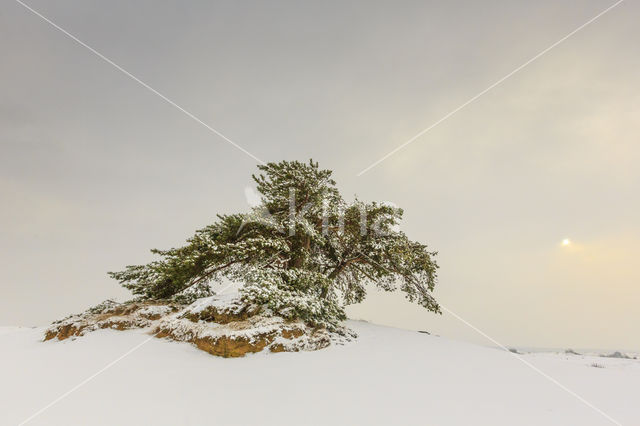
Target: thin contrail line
{"type": "Point", "coordinates": [137, 80]}
{"type": "Point", "coordinates": [533, 367]}
{"type": "Point", "coordinates": [103, 369]}
{"type": "Point", "coordinates": [398, 148]}
{"type": "Point", "coordinates": [527, 363]}
{"type": "Point", "coordinates": [84, 382]}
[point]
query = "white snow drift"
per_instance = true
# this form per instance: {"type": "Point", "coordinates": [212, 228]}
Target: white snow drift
{"type": "Point", "coordinates": [386, 376]}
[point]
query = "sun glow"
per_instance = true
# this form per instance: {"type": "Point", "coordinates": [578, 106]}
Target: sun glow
{"type": "Point", "coordinates": [566, 242]}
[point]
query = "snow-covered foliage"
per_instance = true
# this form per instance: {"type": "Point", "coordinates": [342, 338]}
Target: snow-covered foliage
{"type": "Point", "coordinates": [273, 291]}
{"type": "Point", "coordinates": [303, 253]}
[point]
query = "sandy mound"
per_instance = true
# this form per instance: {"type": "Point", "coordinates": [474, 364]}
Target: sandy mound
{"type": "Point", "coordinates": [220, 325]}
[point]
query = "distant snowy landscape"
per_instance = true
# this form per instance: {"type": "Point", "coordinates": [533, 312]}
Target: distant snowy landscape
{"type": "Point", "coordinates": [386, 376]}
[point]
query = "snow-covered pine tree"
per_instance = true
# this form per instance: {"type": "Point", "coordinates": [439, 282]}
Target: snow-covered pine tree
{"type": "Point", "coordinates": [304, 253]}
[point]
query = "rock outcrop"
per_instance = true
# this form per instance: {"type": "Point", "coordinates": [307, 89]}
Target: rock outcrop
{"type": "Point", "coordinates": [220, 325]}
{"type": "Point", "coordinates": [110, 314]}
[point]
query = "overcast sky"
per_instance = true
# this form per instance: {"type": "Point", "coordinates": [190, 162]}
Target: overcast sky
{"type": "Point", "coordinates": [95, 169]}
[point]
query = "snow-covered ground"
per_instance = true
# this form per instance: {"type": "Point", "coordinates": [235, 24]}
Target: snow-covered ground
{"type": "Point", "coordinates": [388, 376]}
